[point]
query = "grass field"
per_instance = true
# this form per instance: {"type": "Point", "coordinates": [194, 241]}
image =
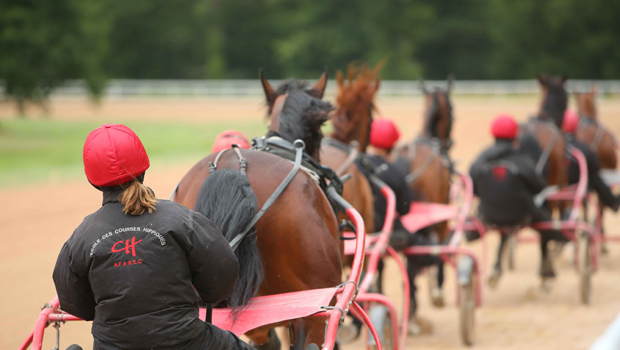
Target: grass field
{"type": "Point", "coordinates": [47, 149]}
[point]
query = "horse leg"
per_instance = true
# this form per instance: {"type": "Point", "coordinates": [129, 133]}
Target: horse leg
{"type": "Point", "coordinates": [601, 211]}
{"type": "Point", "coordinates": [547, 272]}
{"type": "Point", "coordinates": [497, 268]}
{"type": "Point", "coordinates": [436, 271]}
{"type": "Point", "coordinates": [264, 338]}
{"type": "Point", "coordinates": [379, 281]}
{"type": "Point", "coordinates": [308, 333]}
{"type": "Point", "coordinates": [417, 325]}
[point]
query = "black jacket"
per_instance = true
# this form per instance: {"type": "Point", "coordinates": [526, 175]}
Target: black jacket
{"type": "Point", "coordinates": [133, 275]}
{"type": "Point", "coordinates": [393, 176]}
{"type": "Point", "coordinates": [505, 180]}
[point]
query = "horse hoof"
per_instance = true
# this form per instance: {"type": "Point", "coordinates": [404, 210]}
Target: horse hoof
{"type": "Point", "coordinates": [418, 326]}
{"type": "Point", "coordinates": [546, 269]}
{"type": "Point", "coordinates": [437, 298]}
{"type": "Point", "coordinates": [347, 333]}
{"type": "Point", "coordinates": [312, 347]}
{"type": "Point", "coordinates": [547, 284]}
{"type": "Point", "coordinates": [494, 279]}
{"type": "Point", "coordinates": [604, 249]}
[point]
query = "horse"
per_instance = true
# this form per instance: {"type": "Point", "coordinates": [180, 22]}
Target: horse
{"type": "Point", "coordinates": [351, 123]}
{"type": "Point", "coordinates": [430, 167]}
{"type": "Point", "coordinates": [591, 132]}
{"type": "Point", "coordinates": [541, 138]}
{"type": "Point", "coordinates": [295, 245]}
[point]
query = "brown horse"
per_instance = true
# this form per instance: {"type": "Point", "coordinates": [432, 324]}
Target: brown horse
{"type": "Point", "coordinates": [428, 154]}
{"type": "Point", "coordinates": [296, 243]}
{"type": "Point", "coordinates": [546, 129]}
{"type": "Point", "coordinates": [591, 132]}
{"type": "Point", "coordinates": [430, 166]}
{"type": "Point", "coordinates": [351, 122]}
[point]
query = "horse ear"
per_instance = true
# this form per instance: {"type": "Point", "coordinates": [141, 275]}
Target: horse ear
{"type": "Point", "coordinates": [542, 79]}
{"type": "Point", "coordinates": [377, 84]}
{"type": "Point", "coordinates": [450, 82]}
{"type": "Point", "coordinates": [340, 79]}
{"type": "Point", "coordinates": [594, 89]}
{"type": "Point", "coordinates": [423, 87]}
{"type": "Point", "coordinates": [270, 93]}
{"type": "Point", "coordinates": [318, 89]}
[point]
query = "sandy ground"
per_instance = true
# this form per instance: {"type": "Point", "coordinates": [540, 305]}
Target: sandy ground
{"type": "Point", "coordinates": [36, 220]}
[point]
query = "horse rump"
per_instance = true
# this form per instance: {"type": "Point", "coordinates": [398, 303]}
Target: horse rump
{"type": "Point", "coordinates": [227, 199]}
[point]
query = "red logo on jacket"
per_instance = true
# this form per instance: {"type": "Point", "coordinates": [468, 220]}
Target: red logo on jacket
{"type": "Point", "coordinates": [499, 173]}
{"type": "Point", "coordinates": [128, 246]}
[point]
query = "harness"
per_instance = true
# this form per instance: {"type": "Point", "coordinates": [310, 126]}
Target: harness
{"type": "Point", "coordinates": [598, 136]}
{"type": "Point", "coordinates": [435, 145]}
{"type": "Point", "coordinates": [350, 149]}
{"type": "Point", "coordinates": [299, 152]}
{"type": "Point", "coordinates": [323, 175]}
{"type": "Point", "coordinates": [544, 157]}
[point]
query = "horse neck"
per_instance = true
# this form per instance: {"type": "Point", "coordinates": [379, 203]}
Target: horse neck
{"type": "Point", "coordinates": [358, 131]}
{"type": "Point", "coordinates": [437, 122]}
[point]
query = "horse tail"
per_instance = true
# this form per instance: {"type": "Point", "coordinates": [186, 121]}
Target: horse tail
{"type": "Point", "coordinates": [228, 200]}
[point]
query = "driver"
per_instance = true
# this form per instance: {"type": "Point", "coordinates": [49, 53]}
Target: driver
{"type": "Point", "coordinates": [134, 266]}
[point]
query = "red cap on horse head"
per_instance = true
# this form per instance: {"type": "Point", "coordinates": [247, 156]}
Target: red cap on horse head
{"type": "Point", "coordinates": [384, 133]}
{"type": "Point", "coordinates": [113, 155]}
{"type": "Point", "coordinates": [570, 123]}
{"type": "Point", "coordinates": [504, 126]}
{"type": "Point", "coordinates": [228, 138]}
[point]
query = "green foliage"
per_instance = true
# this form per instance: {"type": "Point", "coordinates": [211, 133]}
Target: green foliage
{"type": "Point", "coordinates": [35, 150]}
{"type": "Point", "coordinates": [44, 42]}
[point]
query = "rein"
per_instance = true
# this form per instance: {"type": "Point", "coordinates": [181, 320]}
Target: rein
{"type": "Point", "coordinates": [544, 157]}
{"type": "Point", "coordinates": [414, 175]}
{"type": "Point", "coordinates": [351, 149]}
{"type": "Point", "coordinates": [299, 150]}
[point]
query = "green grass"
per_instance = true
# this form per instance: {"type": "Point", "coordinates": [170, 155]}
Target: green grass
{"type": "Point", "coordinates": [40, 150]}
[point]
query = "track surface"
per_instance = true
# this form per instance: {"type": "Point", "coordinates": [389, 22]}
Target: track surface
{"type": "Point", "coordinates": [36, 220]}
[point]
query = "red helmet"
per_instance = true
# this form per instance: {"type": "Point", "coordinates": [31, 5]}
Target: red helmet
{"type": "Point", "coordinates": [571, 122]}
{"type": "Point", "coordinates": [383, 133]}
{"type": "Point", "coordinates": [504, 127]}
{"type": "Point", "coordinates": [113, 155]}
{"type": "Point", "coordinates": [228, 138]}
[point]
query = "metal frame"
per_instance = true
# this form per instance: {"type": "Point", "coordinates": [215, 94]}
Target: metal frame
{"type": "Point", "coordinates": [346, 302]}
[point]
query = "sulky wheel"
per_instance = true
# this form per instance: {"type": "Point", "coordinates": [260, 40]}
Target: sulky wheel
{"type": "Point", "coordinates": [584, 266]}
{"type": "Point", "coordinates": [380, 317]}
{"type": "Point", "coordinates": [467, 300]}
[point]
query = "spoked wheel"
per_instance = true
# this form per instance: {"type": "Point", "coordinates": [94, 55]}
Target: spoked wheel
{"type": "Point", "coordinates": [380, 317]}
{"type": "Point", "coordinates": [584, 266]}
{"type": "Point", "coordinates": [467, 300]}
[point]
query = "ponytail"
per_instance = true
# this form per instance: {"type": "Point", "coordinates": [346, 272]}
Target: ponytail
{"type": "Point", "coordinates": [137, 198]}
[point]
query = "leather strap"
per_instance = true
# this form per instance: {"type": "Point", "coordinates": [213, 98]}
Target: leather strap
{"type": "Point", "coordinates": [299, 150]}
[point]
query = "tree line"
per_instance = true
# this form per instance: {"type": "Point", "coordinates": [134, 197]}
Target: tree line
{"type": "Point", "coordinates": [44, 42]}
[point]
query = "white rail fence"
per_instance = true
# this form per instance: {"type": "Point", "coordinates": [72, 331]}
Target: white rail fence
{"type": "Point", "coordinates": [129, 88]}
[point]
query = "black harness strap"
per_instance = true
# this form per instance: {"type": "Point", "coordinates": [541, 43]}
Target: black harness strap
{"type": "Point", "coordinates": [299, 150]}
{"type": "Point", "coordinates": [411, 177]}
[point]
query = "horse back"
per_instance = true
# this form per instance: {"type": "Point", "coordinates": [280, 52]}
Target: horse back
{"type": "Point", "coordinates": [298, 235]}
{"type": "Point", "coordinates": [357, 190]}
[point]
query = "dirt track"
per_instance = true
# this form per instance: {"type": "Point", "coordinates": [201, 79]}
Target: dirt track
{"type": "Point", "coordinates": [36, 220]}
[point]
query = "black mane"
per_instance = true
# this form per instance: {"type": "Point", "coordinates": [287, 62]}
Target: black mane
{"type": "Point", "coordinates": [432, 118]}
{"type": "Point", "coordinates": [302, 117]}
